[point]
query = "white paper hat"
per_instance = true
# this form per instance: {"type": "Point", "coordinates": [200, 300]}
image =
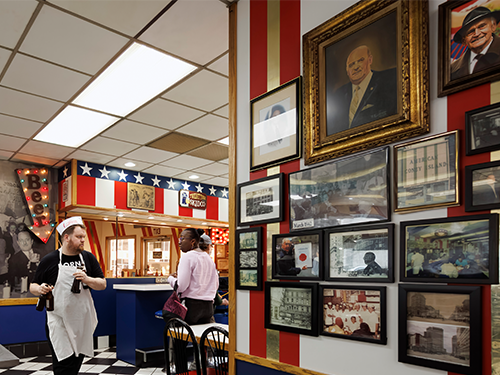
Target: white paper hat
{"type": "Point", "coordinates": [75, 220]}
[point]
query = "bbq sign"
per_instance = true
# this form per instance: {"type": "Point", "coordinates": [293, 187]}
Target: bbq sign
{"type": "Point", "coordinates": [192, 199]}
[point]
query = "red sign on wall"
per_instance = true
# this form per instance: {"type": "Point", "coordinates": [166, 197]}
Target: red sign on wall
{"type": "Point", "coordinates": [192, 199]}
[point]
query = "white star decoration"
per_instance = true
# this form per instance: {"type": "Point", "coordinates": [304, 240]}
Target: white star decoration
{"type": "Point", "coordinates": [185, 186]}
{"type": "Point", "coordinates": [65, 171]}
{"type": "Point", "coordinates": [138, 178]}
{"type": "Point", "coordinates": [171, 184]}
{"type": "Point", "coordinates": [224, 193]}
{"type": "Point", "coordinates": [86, 169]}
{"type": "Point", "coordinates": [104, 172]}
{"type": "Point", "coordinates": [123, 176]}
{"type": "Point", "coordinates": [213, 190]}
{"type": "Point", "coordinates": [199, 188]}
{"type": "Point", "coordinates": [156, 181]}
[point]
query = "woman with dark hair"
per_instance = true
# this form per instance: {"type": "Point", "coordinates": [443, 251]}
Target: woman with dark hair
{"type": "Point", "coordinates": [198, 281]}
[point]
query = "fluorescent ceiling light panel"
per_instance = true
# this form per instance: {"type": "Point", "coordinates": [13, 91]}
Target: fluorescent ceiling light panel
{"type": "Point", "coordinates": [224, 141]}
{"type": "Point", "coordinates": [74, 126]}
{"type": "Point", "coordinates": [135, 77]}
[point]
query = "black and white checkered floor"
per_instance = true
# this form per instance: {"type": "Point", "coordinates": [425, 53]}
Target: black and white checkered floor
{"type": "Point", "coordinates": [104, 362]}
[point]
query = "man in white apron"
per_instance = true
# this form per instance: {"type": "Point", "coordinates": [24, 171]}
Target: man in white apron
{"type": "Point", "coordinates": [70, 327]}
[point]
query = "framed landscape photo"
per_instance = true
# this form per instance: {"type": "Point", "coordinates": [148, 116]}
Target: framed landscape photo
{"type": "Point", "coordinates": [440, 327]}
{"type": "Point", "coordinates": [366, 78]}
{"type": "Point", "coordinates": [482, 186]}
{"type": "Point", "coordinates": [360, 253]}
{"type": "Point", "coordinates": [275, 126]}
{"type": "Point", "coordinates": [354, 313]}
{"type": "Point", "coordinates": [482, 130]}
{"type": "Point", "coordinates": [260, 201]}
{"type": "Point", "coordinates": [298, 256]}
{"type": "Point", "coordinates": [450, 250]}
{"type": "Point", "coordinates": [426, 173]}
{"type": "Point", "coordinates": [346, 191]}
{"type": "Point", "coordinates": [458, 45]}
{"type": "Point", "coordinates": [292, 307]}
{"type": "Point", "coordinates": [249, 258]}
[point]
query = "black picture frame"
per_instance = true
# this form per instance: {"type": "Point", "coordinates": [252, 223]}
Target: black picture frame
{"type": "Point", "coordinates": [248, 265]}
{"type": "Point", "coordinates": [433, 308]}
{"type": "Point", "coordinates": [450, 250]}
{"type": "Point", "coordinates": [276, 138]}
{"type": "Point", "coordinates": [261, 201]}
{"type": "Point", "coordinates": [482, 189]}
{"type": "Point", "coordinates": [482, 129]}
{"type": "Point", "coordinates": [306, 251]}
{"type": "Point", "coordinates": [292, 307]}
{"type": "Point", "coordinates": [346, 191]}
{"type": "Point", "coordinates": [343, 245]}
{"type": "Point", "coordinates": [347, 313]}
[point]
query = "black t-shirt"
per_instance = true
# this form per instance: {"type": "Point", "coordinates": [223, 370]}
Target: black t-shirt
{"type": "Point", "coordinates": [49, 266]}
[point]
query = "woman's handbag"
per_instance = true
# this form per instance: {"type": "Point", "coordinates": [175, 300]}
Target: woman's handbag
{"type": "Point", "coordinates": [174, 308]}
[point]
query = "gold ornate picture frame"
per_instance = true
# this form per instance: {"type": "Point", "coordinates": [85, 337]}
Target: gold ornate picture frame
{"type": "Point", "coordinates": [384, 42]}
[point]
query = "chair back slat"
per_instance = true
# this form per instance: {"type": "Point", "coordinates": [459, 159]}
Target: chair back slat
{"type": "Point", "coordinates": [177, 335]}
{"type": "Point", "coordinates": [213, 343]}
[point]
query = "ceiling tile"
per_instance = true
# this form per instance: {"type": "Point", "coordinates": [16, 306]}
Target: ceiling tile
{"type": "Point", "coordinates": [46, 150]}
{"type": "Point", "coordinates": [176, 142]}
{"type": "Point", "coordinates": [212, 151]}
{"type": "Point", "coordinates": [15, 126]}
{"type": "Point", "coordinates": [120, 163]}
{"type": "Point", "coordinates": [108, 146]}
{"type": "Point", "coordinates": [4, 155]}
{"type": "Point", "coordinates": [186, 162]}
{"type": "Point", "coordinates": [224, 111]}
{"type": "Point", "coordinates": [189, 21]}
{"type": "Point", "coordinates": [150, 154]}
{"type": "Point", "coordinates": [161, 170]}
{"type": "Point", "coordinates": [60, 164]}
{"type": "Point", "coordinates": [14, 16]}
{"type": "Point", "coordinates": [132, 131]}
{"type": "Point", "coordinates": [128, 17]}
{"type": "Point", "coordinates": [217, 181]}
{"type": "Point", "coordinates": [93, 157]}
{"type": "Point", "coordinates": [4, 56]}
{"type": "Point", "coordinates": [42, 78]}
{"type": "Point", "coordinates": [166, 114]}
{"type": "Point", "coordinates": [35, 159]}
{"type": "Point", "coordinates": [9, 143]}
{"type": "Point", "coordinates": [67, 40]}
{"type": "Point", "coordinates": [204, 90]}
{"type": "Point", "coordinates": [209, 127]}
{"type": "Point", "coordinates": [186, 176]}
{"type": "Point", "coordinates": [214, 169]}
{"type": "Point", "coordinates": [225, 161]}
{"type": "Point", "coordinates": [221, 65]}
{"type": "Point", "coordinates": [26, 106]}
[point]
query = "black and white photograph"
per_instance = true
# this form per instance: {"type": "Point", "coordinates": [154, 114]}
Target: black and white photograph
{"type": "Point", "coordinates": [248, 259]}
{"type": "Point", "coordinates": [347, 191]}
{"type": "Point", "coordinates": [260, 201]}
{"type": "Point", "coordinates": [360, 253]}
{"type": "Point", "coordinates": [292, 307]}
{"type": "Point", "coordinates": [248, 240]}
{"type": "Point", "coordinates": [354, 313]}
{"type": "Point", "coordinates": [440, 326]}
{"type": "Point", "coordinates": [482, 129]}
{"type": "Point", "coordinates": [482, 186]}
{"type": "Point", "coordinates": [450, 250]}
{"type": "Point", "coordinates": [248, 262]}
{"type": "Point", "coordinates": [298, 256]}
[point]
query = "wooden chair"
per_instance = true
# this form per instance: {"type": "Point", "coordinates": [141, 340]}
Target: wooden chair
{"type": "Point", "coordinates": [176, 351]}
{"type": "Point", "coordinates": [214, 340]}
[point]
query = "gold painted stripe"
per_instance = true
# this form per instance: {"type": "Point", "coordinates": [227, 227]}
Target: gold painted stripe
{"type": "Point", "coordinates": [273, 345]}
{"type": "Point", "coordinates": [273, 44]}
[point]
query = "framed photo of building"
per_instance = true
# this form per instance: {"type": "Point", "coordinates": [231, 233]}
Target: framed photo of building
{"type": "Point", "coordinates": [140, 196]}
{"type": "Point", "coordinates": [292, 307]}
{"type": "Point", "coordinates": [298, 256]}
{"type": "Point", "coordinates": [354, 313]}
{"type": "Point", "coordinates": [458, 66]}
{"type": "Point", "coordinates": [366, 78]}
{"type": "Point", "coordinates": [275, 126]}
{"type": "Point", "coordinates": [346, 191]}
{"type": "Point", "coordinates": [249, 258]}
{"type": "Point", "coordinates": [360, 253]}
{"type": "Point", "coordinates": [260, 201]}
{"type": "Point", "coordinates": [482, 186]}
{"type": "Point", "coordinates": [426, 173]}
{"type": "Point", "coordinates": [482, 130]}
{"type": "Point", "coordinates": [440, 327]}
{"type": "Point", "coordinates": [450, 250]}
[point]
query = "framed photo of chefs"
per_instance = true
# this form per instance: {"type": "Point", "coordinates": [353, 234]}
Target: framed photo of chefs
{"type": "Point", "coordinates": [468, 44]}
{"type": "Point", "coordinates": [249, 258]}
{"type": "Point", "coordinates": [366, 78]}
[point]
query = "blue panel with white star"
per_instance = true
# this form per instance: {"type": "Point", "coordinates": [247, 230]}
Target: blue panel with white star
{"type": "Point", "coordinates": [64, 172]}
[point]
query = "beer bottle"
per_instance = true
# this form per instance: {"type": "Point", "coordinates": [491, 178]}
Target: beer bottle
{"type": "Point", "coordinates": [75, 288]}
{"type": "Point", "coordinates": [41, 302]}
{"type": "Point", "coordinates": [49, 301]}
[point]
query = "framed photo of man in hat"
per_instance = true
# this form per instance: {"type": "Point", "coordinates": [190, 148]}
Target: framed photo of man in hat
{"type": "Point", "coordinates": [469, 45]}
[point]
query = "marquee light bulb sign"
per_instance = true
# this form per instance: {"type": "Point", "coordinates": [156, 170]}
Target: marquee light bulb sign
{"type": "Point", "coordinates": [219, 236]}
{"type": "Point", "coordinates": [35, 186]}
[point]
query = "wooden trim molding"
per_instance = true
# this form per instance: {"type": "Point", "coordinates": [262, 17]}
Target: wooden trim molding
{"type": "Point", "coordinates": [280, 366]}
